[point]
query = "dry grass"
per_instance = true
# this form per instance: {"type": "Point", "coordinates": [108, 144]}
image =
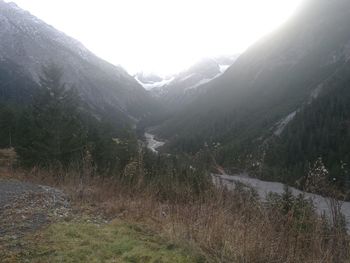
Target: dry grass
{"type": "Point", "coordinates": [7, 157]}
{"type": "Point", "coordinates": [225, 226]}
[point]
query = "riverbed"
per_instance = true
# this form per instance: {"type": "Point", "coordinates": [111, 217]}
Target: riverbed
{"type": "Point", "coordinates": [152, 143]}
{"type": "Point", "coordinates": [263, 188]}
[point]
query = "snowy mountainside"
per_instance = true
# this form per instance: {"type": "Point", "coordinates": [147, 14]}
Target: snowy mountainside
{"type": "Point", "coordinates": [180, 89]}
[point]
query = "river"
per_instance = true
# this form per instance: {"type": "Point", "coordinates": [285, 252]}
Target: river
{"type": "Point", "coordinates": [263, 188]}
{"type": "Point", "coordinates": [152, 143]}
{"type": "Point", "coordinates": [322, 204]}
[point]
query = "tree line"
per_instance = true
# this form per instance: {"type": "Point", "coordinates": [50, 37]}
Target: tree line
{"type": "Point", "coordinates": [57, 128]}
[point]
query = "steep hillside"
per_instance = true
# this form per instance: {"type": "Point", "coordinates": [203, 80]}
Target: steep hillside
{"type": "Point", "coordinates": [188, 84]}
{"type": "Point", "coordinates": [320, 129]}
{"type": "Point", "coordinates": [257, 96]}
{"type": "Point", "coordinates": [27, 44]}
{"type": "Point", "coordinates": [15, 86]}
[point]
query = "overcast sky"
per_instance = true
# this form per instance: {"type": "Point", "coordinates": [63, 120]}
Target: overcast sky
{"type": "Point", "coordinates": [163, 36]}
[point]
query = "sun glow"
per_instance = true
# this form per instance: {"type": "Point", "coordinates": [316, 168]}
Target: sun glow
{"type": "Point", "coordinates": [163, 36]}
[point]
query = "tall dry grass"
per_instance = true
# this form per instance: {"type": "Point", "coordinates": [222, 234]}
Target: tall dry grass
{"type": "Point", "coordinates": [226, 226]}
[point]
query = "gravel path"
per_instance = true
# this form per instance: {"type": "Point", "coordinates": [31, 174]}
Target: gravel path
{"type": "Point", "coordinates": [26, 207]}
{"type": "Point", "coordinates": [9, 190]}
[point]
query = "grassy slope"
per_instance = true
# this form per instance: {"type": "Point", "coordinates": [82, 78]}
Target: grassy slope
{"type": "Point", "coordinates": [84, 241]}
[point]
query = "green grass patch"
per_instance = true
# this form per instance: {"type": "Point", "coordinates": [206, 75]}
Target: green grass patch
{"type": "Point", "coordinates": [114, 242]}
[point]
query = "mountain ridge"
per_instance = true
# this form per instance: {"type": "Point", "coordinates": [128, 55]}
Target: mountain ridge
{"type": "Point", "coordinates": [179, 90]}
{"type": "Point", "coordinates": [30, 43]}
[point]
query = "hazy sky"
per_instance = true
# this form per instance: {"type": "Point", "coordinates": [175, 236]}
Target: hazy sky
{"type": "Point", "coordinates": [163, 36]}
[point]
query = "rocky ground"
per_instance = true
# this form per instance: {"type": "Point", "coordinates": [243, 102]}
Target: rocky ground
{"type": "Point", "coordinates": [26, 207]}
{"type": "Point", "coordinates": [38, 225]}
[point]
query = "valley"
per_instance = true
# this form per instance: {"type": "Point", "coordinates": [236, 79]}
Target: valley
{"type": "Point", "coordinates": [99, 163]}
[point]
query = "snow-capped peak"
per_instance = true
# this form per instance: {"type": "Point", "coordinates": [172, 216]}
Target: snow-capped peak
{"type": "Point", "coordinates": [155, 84]}
{"type": "Point", "coordinates": [195, 76]}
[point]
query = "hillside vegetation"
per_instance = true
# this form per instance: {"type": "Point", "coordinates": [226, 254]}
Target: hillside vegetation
{"type": "Point", "coordinates": [157, 221]}
{"type": "Point", "coordinates": [288, 73]}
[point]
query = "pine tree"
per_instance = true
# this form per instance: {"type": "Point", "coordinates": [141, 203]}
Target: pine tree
{"type": "Point", "coordinates": [54, 133]}
{"type": "Point", "coordinates": [7, 127]}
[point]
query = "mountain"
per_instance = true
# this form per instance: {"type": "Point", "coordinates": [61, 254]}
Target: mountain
{"type": "Point", "coordinates": [15, 86]}
{"type": "Point", "coordinates": [27, 43]}
{"type": "Point", "coordinates": [151, 81]}
{"type": "Point", "coordinates": [181, 89]}
{"type": "Point", "coordinates": [147, 78]}
{"type": "Point", "coordinates": [266, 90]}
{"type": "Point", "coordinates": [320, 130]}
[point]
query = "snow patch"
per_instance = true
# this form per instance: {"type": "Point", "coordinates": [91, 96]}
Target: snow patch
{"type": "Point", "coordinates": [204, 81]}
{"type": "Point", "coordinates": [315, 93]}
{"type": "Point", "coordinates": [200, 83]}
{"type": "Point", "coordinates": [154, 85]}
{"type": "Point", "coordinates": [223, 68]}
{"type": "Point", "coordinates": [188, 77]}
{"type": "Point", "coordinates": [284, 122]}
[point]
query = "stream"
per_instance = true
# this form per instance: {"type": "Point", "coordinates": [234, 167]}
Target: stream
{"type": "Point", "coordinates": [152, 143]}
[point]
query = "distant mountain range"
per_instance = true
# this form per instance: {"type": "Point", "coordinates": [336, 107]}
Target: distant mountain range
{"type": "Point", "coordinates": [178, 90]}
{"type": "Point", "coordinates": [27, 43]}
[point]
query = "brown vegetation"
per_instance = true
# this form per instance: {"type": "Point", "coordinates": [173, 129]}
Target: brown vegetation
{"type": "Point", "coordinates": [225, 226]}
{"type": "Point", "coordinates": [7, 157]}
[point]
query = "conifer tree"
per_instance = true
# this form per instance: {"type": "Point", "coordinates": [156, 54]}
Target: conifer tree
{"type": "Point", "coordinates": [54, 132]}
